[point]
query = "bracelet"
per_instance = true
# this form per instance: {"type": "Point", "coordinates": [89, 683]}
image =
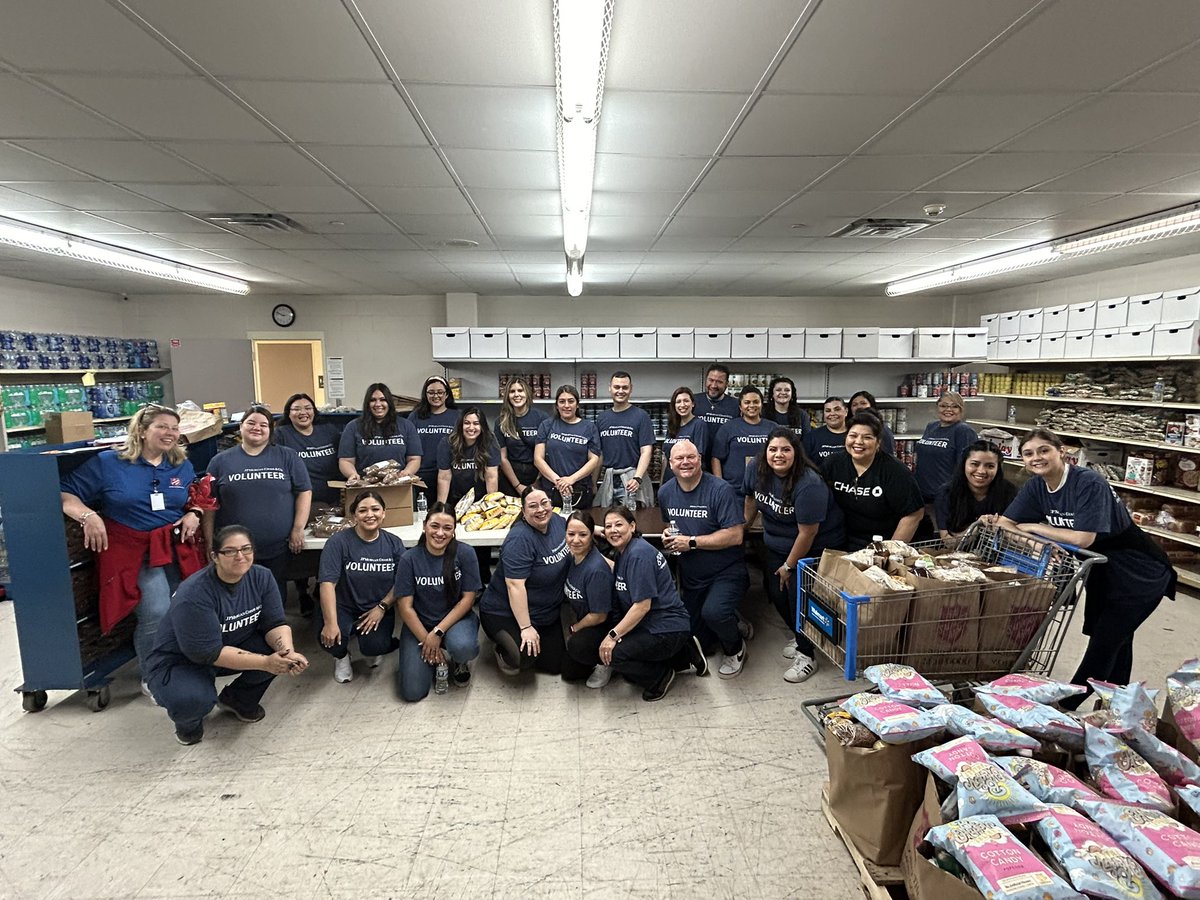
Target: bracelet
{"type": "Point", "coordinates": [382, 607]}
{"type": "Point", "coordinates": [526, 627]}
{"type": "Point", "coordinates": [84, 517]}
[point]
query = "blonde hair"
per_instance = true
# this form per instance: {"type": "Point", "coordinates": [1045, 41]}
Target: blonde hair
{"type": "Point", "coordinates": [132, 448]}
{"type": "Point", "coordinates": [954, 397]}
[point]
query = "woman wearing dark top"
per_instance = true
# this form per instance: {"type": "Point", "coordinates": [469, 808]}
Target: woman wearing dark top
{"type": "Point", "coordinates": [684, 425]}
{"type": "Point", "coordinates": [588, 590]}
{"type": "Point", "coordinates": [865, 400]}
{"type": "Point", "coordinates": [437, 582]}
{"type": "Point", "coordinates": [782, 408]}
{"type": "Point", "coordinates": [821, 443]}
{"type": "Point", "coordinates": [941, 448]}
{"type": "Point", "coordinates": [378, 435]}
{"type": "Point", "coordinates": [800, 520]}
{"type": "Point", "coordinates": [434, 419]}
{"type": "Point", "coordinates": [652, 638]}
{"type": "Point", "coordinates": [224, 620]}
{"type": "Point", "coordinates": [1077, 506]}
{"type": "Point", "coordinates": [567, 452]}
{"type": "Point", "coordinates": [977, 488]}
{"type": "Point", "coordinates": [877, 493]}
{"type": "Point", "coordinates": [516, 433]}
{"type": "Point", "coordinates": [467, 458]}
{"type": "Point", "coordinates": [739, 440]}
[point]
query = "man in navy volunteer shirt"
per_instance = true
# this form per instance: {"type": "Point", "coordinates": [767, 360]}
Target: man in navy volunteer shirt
{"type": "Point", "coordinates": [626, 443]}
{"type": "Point", "coordinates": [706, 518]}
{"type": "Point", "coordinates": [716, 407]}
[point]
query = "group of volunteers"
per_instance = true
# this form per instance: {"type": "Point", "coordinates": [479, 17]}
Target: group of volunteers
{"type": "Point", "coordinates": [583, 594]}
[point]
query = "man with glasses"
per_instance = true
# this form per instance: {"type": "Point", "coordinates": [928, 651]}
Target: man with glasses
{"type": "Point", "coordinates": [626, 444]}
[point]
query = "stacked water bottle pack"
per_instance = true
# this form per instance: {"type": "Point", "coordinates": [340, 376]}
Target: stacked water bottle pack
{"type": "Point", "coordinates": [21, 350]}
{"type": "Point", "coordinates": [25, 405]}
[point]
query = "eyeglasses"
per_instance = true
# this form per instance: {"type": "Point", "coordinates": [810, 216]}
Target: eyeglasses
{"type": "Point", "coordinates": [435, 393]}
{"type": "Point", "coordinates": [231, 552]}
{"type": "Point", "coordinates": [302, 409]}
{"type": "Point", "coordinates": [544, 504]}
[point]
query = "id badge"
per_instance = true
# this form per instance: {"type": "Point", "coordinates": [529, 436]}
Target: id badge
{"type": "Point", "coordinates": [158, 501]}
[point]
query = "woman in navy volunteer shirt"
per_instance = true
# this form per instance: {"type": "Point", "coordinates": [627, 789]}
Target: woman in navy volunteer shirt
{"type": "Point", "coordinates": [264, 487]}
{"type": "Point", "coordinates": [782, 408]}
{"type": "Point", "coordinates": [126, 500]}
{"type": "Point", "coordinates": [521, 606]}
{"type": "Point", "coordinates": [467, 458]}
{"type": "Point", "coordinates": [589, 593]}
{"type": "Point", "coordinates": [877, 493]}
{"type": "Point", "coordinates": [821, 443]}
{"type": "Point", "coordinates": [1077, 506]}
{"type": "Point", "coordinates": [378, 435]}
{"type": "Point", "coordinates": [434, 418]}
{"type": "Point", "coordinates": [941, 448]}
{"type": "Point", "coordinates": [800, 520]}
{"type": "Point", "coordinates": [683, 425]}
{"type": "Point", "coordinates": [651, 638]}
{"type": "Point", "coordinates": [865, 400]}
{"type": "Point", "coordinates": [740, 439]}
{"type": "Point", "coordinates": [437, 582]}
{"type": "Point", "coordinates": [516, 432]}
{"type": "Point", "coordinates": [226, 619]}
{"type": "Point", "coordinates": [568, 452]}
{"type": "Point", "coordinates": [978, 488]}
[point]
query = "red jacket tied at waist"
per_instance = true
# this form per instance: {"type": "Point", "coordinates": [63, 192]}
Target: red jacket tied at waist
{"type": "Point", "coordinates": [118, 566]}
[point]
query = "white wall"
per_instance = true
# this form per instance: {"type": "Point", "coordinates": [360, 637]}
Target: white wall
{"type": "Point", "coordinates": [33, 306]}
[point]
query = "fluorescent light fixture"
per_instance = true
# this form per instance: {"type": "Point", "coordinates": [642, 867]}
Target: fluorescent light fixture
{"type": "Point", "coordinates": [581, 32]}
{"type": "Point", "coordinates": [992, 265]}
{"type": "Point", "coordinates": [59, 243]}
{"type": "Point", "coordinates": [1150, 228]}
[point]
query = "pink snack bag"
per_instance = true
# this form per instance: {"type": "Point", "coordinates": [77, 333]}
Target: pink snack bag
{"type": "Point", "coordinates": [1184, 690]}
{"type": "Point", "coordinates": [1131, 705]}
{"type": "Point", "coordinates": [905, 684]}
{"type": "Point", "coordinates": [1175, 768]}
{"type": "Point", "coordinates": [1095, 863]}
{"type": "Point", "coordinates": [1167, 849]}
{"type": "Point", "coordinates": [1032, 687]}
{"type": "Point", "coordinates": [1048, 783]}
{"type": "Point", "coordinates": [1034, 718]}
{"type": "Point", "coordinates": [1120, 773]}
{"type": "Point", "coordinates": [944, 760]}
{"type": "Point", "coordinates": [892, 722]}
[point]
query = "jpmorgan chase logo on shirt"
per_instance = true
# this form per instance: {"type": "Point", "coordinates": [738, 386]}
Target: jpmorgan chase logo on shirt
{"type": "Point", "coordinates": [857, 491]}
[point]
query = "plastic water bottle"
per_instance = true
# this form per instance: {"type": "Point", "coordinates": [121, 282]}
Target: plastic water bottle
{"type": "Point", "coordinates": [628, 498]}
{"type": "Point", "coordinates": [441, 678]}
{"type": "Point", "coordinates": [568, 504]}
{"type": "Point", "coordinates": [669, 531]}
{"type": "Point", "coordinates": [422, 509]}
{"type": "Point", "coordinates": [1160, 388]}
{"type": "Point", "coordinates": [1012, 414]}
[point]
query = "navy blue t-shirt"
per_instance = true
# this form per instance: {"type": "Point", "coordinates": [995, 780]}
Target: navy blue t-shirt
{"type": "Point", "coordinates": [207, 615]}
{"type": "Point", "coordinates": [874, 502]}
{"type": "Point", "coordinates": [368, 451]}
{"type": "Point", "coordinates": [737, 442]}
{"type": "Point", "coordinates": [520, 450]}
{"type": "Point", "coordinates": [802, 426]}
{"type": "Point", "coordinates": [811, 503]}
{"type": "Point", "coordinates": [589, 585]}
{"type": "Point", "coordinates": [641, 574]}
{"type": "Point", "coordinates": [465, 475]}
{"type": "Point", "coordinates": [623, 435]}
{"type": "Point", "coordinates": [363, 571]}
{"type": "Point", "coordinates": [710, 507]}
{"type": "Point", "coordinates": [420, 576]}
{"type": "Point", "coordinates": [542, 561]}
{"type": "Point", "coordinates": [821, 443]}
{"type": "Point", "coordinates": [717, 412]}
{"type": "Point", "coordinates": [939, 450]}
{"type": "Point", "coordinates": [319, 453]}
{"type": "Point", "coordinates": [120, 489]}
{"type": "Point", "coordinates": [698, 432]}
{"type": "Point", "coordinates": [433, 430]}
{"type": "Point", "coordinates": [567, 446]}
{"type": "Point", "coordinates": [260, 493]}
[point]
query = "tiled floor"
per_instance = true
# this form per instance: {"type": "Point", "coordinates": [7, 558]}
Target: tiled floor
{"type": "Point", "coordinates": [529, 788]}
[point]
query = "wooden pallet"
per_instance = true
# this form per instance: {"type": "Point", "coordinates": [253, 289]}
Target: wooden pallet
{"type": "Point", "coordinates": [878, 882]}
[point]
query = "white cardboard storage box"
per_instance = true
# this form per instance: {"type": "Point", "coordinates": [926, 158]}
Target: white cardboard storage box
{"type": "Point", "coordinates": [1144, 309]}
{"type": "Point", "coordinates": [564, 343]}
{"type": "Point", "coordinates": [1029, 346]}
{"type": "Point", "coordinates": [785, 343]}
{"type": "Point", "coordinates": [935, 343]}
{"type": "Point", "coordinates": [527, 343]}
{"type": "Point", "coordinates": [1136, 340]}
{"type": "Point", "coordinates": [1007, 348]}
{"type": "Point", "coordinates": [993, 348]}
{"type": "Point", "coordinates": [1112, 313]}
{"type": "Point", "coordinates": [860, 343]}
{"type": "Point", "coordinates": [451, 343]}
{"type": "Point", "coordinates": [1010, 323]}
{"type": "Point", "coordinates": [1181, 305]}
{"type": "Point", "coordinates": [1031, 323]}
{"type": "Point", "coordinates": [1081, 316]}
{"type": "Point", "coordinates": [1054, 319]}
{"type": "Point", "coordinates": [748, 343]}
{"type": "Point", "coordinates": [1079, 345]}
{"type": "Point", "coordinates": [601, 343]}
{"type": "Point", "coordinates": [676, 343]}
{"type": "Point", "coordinates": [823, 343]}
{"type": "Point", "coordinates": [1176, 338]}
{"type": "Point", "coordinates": [970, 343]}
{"type": "Point", "coordinates": [1054, 345]}
{"type": "Point", "coordinates": [489, 343]}
{"type": "Point", "coordinates": [639, 343]}
{"type": "Point", "coordinates": [712, 343]}
{"type": "Point", "coordinates": [897, 343]}
{"type": "Point", "coordinates": [1106, 343]}
{"type": "Point", "coordinates": [991, 321]}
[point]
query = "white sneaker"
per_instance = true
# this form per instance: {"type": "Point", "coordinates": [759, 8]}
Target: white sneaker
{"type": "Point", "coordinates": [789, 649]}
{"type": "Point", "coordinates": [374, 661]}
{"type": "Point", "coordinates": [745, 628]}
{"type": "Point", "coordinates": [503, 665]}
{"type": "Point", "coordinates": [601, 675]}
{"type": "Point", "coordinates": [802, 669]}
{"type": "Point", "coordinates": [146, 691]}
{"type": "Point", "coordinates": [342, 670]}
{"type": "Point", "coordinates": [731, 666]}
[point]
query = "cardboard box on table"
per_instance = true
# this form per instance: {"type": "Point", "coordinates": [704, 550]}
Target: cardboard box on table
{"type": "Point", "coordinates": [397, 499]}
{"type": "Point", "coordinates": [922, 879]}
{"type": "Point", "coordinates": [65, 427]}
{"type": "Point", "coordinates": [880, 621]}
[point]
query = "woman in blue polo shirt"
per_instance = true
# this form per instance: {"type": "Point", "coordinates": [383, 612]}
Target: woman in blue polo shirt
{"type": "Point", "coordinates": [739, 440]}
{"type": "Point", "coordinates": [588, 590]}
{"type": "Point", "coordinates": [434, 418]}
{"type": "Point", "coordinates": [467, 458]}
{"type": "Point", "coordinates": [567, 452]}
{"type": "Point", "coordinates": [521, 607]}
{"type": "Point", "coordinates": [652, 638]}
{"type": "Point", "coordinates": [516, 433]}
{"type": "Point", "coordinates": [358, 580]}
{"type": "Point", "coordinates": [684, 425]}
{"type": "Point", "coordinates": [437, 582]}
{"type": "Point", "coordinates": [378, 435]}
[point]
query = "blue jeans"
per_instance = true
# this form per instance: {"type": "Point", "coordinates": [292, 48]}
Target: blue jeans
{"type": "Point", "coordinates": [157, 585]}
{"type": "Point", "coordinates": [188, 691]}
{"type": "Point", "coordinates": [414, 678]}
{"type": "Point", "coordinates": [379, 642]}
{"type": "Point", "coordinates": [713, 607]}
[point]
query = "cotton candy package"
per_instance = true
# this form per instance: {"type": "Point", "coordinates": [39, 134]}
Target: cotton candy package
{"type": "Point", "coordinates": [1123, 775]}
{"type": "Point", "coordinates": [1048, 783]}
{"type": "Point", "coordinates": [904, 684]}
{"type": "Point", "coordinates": [1183, 687]}
{"type": "Point", "coordinates": [944, 760]}
{"type": "Point", "coordinates": [986, 789]}
{"type": "Point", "coordinates": [1174, 768]}
{"type": "Point", "coordinates": [1093, 861]}
{"type": "Point", "coordinates": [1032, 687]}
{"type": "Point", "coordinates": [1034, 718]}
{"type": "Point", "coordinates": [1001, 866]}
{"type": "Point", "coordinates": [1131, 705]}
{"type": "Point", "coordinates": [892, 722]}
{"type": "Point", "coordinates": [990, 733]}
{"type": "Point", "coordinates": [1190, 797]}
{"type": "Point", "coordinates": [1167, 849]}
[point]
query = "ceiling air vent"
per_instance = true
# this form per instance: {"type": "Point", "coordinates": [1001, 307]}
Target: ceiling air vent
{"type": "Point", "coordinates": [256, 222]}
{"type": "Point", "coordinates": [884, 228]}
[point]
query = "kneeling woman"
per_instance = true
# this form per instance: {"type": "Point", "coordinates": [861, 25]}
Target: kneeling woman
{"type": "Point", "coordinates": [357, 580]}
{"type": "Point", "coordinates": [652, 638]}
{"type": "Point", "coordinates": [224, 620]}
{"type": "Point", "coordinates": [589, 590]}
{"type": "Point", "coordinates": [437, 582]}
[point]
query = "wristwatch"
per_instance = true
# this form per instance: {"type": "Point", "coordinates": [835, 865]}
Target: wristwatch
{"type": "Point", "coordinates": [692, 545]}
{"type": "Point", "coordinates": [439, 633]}
{"type": "Point", "coordinates": [613, 634]}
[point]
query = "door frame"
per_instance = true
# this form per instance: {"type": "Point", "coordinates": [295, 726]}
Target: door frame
{"type": "Point", "coordinates": [316, 341]}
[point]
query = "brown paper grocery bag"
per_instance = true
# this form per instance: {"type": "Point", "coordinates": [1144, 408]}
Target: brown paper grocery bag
{"type": "Point", "coordinates": [942, 634]}
{"type": "Point", "coordinates": [922, 879]}
{"type": "Point", "coordinates": [880, 621]}
{"type": "Point", "coordinates": [1011, 610]}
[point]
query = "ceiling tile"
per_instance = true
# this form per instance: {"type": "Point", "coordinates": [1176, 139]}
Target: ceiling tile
{"type": "Point", "coordinates": [725, 227]}
{"type": "Point", "coordinates": [489, 118]}
{"type": "Point", "coordinates": [617, 172]}
{"type": "Point", "coordinates": [345, 223]}
{"type": "Point", "coordinates": [970, 123]}
{"type": "Point", "coordinates": [394, 241]}
{"type": "Point", "coordinates": [71, 220]}
{"type": "Point", "coordinates": [522, 170]}
{"type": "Point", "coordinates": [403, 167]}
{"type": "Point", "coordinates": [814, 124]}
{"type": "Point", "coordinates": [648, 203]}
{"type": "Point", "coordinates": [1116, 209]}
{"type": "Point", "coordinates": [253, 163]}
{"type": "Point", "coordinates": [1126, 172]}
{"type": "Point", "coordinates": [661, 124]}
{"type": "Point", "coordinates": [1182, 140]}
{"type": "Point", "coordinates": [512, 203]}
{"type": "Point", "coordinates": [890, 173]}
{"type": "Point", "coordinates": [912, 205]}
{"type": "Point", "coordinates": [33, 112]}
{"type": "Point", "coordinates": [733, 203]}
{"type": "Point", "coordinates": [13, 198]}
{"type": "Point", "coordinates": [1114, 122]}
{"type": "Point", "coordinates": [738, 173]}
{"type": "Point", "coordinates": [417, 200]}
{"type": "Point", "coordinates": [89, 195]}
{"type": "Point", "coordinates": [1186, 185]}
{"type": "Point", "coordinates": [117, 160]}
{"type": "Point", "coordinates": [297, 199]}
{"type": "Point", "coordinates": [161, 222]}
{"type": "Point", "coordinates": [203, 198]}
{"type": "Point", "coordinates": [1005, 171]}
{"type": "Point", "coordinates": [370, 114]}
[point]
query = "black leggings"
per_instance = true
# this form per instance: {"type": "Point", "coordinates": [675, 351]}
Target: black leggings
{"type": "Point", "coordinates": [583, 652]}
{"type": "Point", "coordinates": [644, 658]}
{"type": "Point", "coordinates": [784, 601]}
{"type": "Point", "coordinates": [1109, 653]}
{"type": "Point", "coordinates": [503, 630]}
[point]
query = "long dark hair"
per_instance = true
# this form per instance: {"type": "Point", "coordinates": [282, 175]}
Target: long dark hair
{"type": "Point", "coordinates": [450, 557]}
{"type": "Point", "coordinates": [566, 389]}
{"type": "Point", "coordinates": [673, 421]}
{"type": "Point", "coordinates": [287, 408]}
{"type": "Point", "coordinates": [795, 415]}
{"type": "Point", "coordinates": [867, 394]}
{"type": "Point", "coordinates": [999, 492]}
{"type": "Point", "coordinates": [458, 441]}
{"type": "Point", "coordinates": [508, 425]}
{"type": "Point", "coordinates": [422, 410]}
{"type": "Point", "coordinates": [801, 462]}
{"type": "Point", "coordinates": [367, 424]}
